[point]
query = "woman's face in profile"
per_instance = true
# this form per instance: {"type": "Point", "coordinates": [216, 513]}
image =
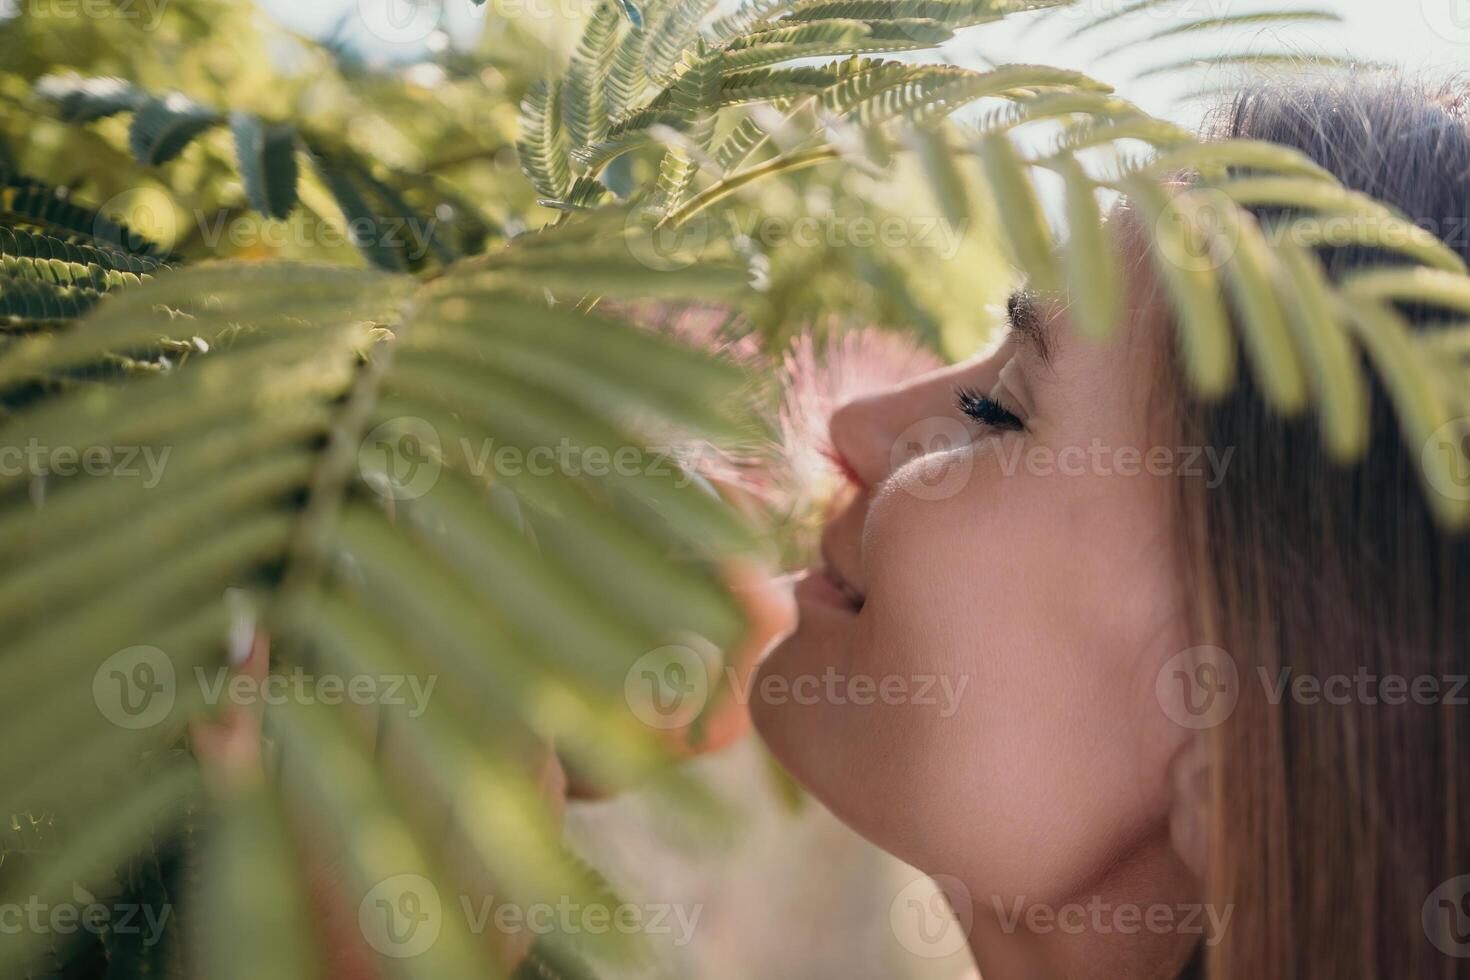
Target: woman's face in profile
{"type": "Point", "coordinates": [972, 682]}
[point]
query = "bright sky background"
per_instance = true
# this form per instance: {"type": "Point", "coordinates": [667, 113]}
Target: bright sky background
{"type": "Point", "coordinates": [1417, 35]}
{"type": "Point", "coordinates": [1432, 34]}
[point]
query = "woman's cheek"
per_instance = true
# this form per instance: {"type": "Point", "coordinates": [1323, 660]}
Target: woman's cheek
{"type": "Point", "coordinates": [936, 567]}
{"type": "Point", "coordinates": [955, 619]}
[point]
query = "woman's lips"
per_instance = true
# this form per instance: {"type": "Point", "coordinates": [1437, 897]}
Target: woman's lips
{"type": "Point", "coordinates": [826, 587]}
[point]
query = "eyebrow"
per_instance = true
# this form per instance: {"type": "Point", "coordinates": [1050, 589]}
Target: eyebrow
{"type": "Point", "coordinates": [1023, 312]}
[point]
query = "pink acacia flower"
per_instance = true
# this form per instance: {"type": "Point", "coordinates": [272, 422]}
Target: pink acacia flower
{"type": "Point", "coordinates": [816, 377]}
{"type": "Point", "coordinates": [709, 327]}
{"type": "Point", "coordinates": [793, 473]}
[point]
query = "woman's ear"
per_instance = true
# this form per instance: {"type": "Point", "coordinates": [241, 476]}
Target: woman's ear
{"type": "Point", "coordinates": [1189, 827]}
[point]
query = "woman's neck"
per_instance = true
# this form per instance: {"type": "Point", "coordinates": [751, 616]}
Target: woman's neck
{"type": "Point", "coordinates": [1141, 918]}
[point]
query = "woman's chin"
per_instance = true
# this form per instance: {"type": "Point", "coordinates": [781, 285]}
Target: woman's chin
{"type": "Point", "coordinates": [772, 715]}
{"type": "Point", "coordinates": [786, 706]}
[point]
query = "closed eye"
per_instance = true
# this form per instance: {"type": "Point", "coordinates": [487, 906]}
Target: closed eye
{"type": "Point", "coordinates": [987, 411]}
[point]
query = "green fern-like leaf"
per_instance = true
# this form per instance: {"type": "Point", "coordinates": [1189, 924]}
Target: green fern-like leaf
{"type": "Point", "coordinates": [384, 227]}
{"type": "Point", "coordinates": [950, 13]}
{"type": "Point", "coordinates": [693, 96]}
{"type": "Point", "coordinates": [1263, 18]}
{"type": "Point", "coordinates": [84, 100]}
{"type": "Point", "coordinates": [1254, 60]}
{"type": "Point", "coordinates": [1114, 15]}
{"type": "Point", "coordinates": [673, 33]}
{"type": "Point", "coordinates": [387, 230]}
{"type": "Point", "coordinates": [1020, 210]}
{"type": "Point", "coordinates": [163, 127]}
{"type": "Point", "coordinates": [20, 243]}
{"type": "Point", "coordinates": [267, 157]}
{"type": "Point", "coordinates": [50, 210]}
{"type": "Point", "coordinates": [546, 961]}
{"type": "Point", "coordinates": [627, 79]}
{"type": "Point", "coordinates": [542, 144]}
{"type": "Point", "coordinates": [332, 433]}
{"type": "Point", "coordinates": [584, 97]}
{"type": "Point", "coordinates": [743, 141]}
{"type": "Point", "coordinates": [532, 632]}
{"type": "Point", "coordinates": [26, 301]}
{"type": "Point", "coordinates": [630, 135]}
{"type": "Point", "coordinates": [1179, 247]}
{"type": "Point", "coordinates": [1093, 273]}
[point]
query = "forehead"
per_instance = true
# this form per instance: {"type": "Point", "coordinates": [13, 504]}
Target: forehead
{"type": "Point", "coordinates": [1043, 327]}
{"type": "Point", "coordinates": [1113, 381]}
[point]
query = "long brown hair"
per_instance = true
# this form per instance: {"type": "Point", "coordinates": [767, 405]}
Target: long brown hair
{"type": "Point", "coordinates": [1331, 824]}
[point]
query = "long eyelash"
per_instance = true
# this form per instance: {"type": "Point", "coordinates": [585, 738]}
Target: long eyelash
{"type": "Point", "coordinates": [987, 411]}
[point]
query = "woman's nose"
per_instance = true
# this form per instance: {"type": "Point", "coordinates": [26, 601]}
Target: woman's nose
{"type": "Point", "coordinates": [856, 430]}
{"type": "Point", "coordinates": [868, 433]}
